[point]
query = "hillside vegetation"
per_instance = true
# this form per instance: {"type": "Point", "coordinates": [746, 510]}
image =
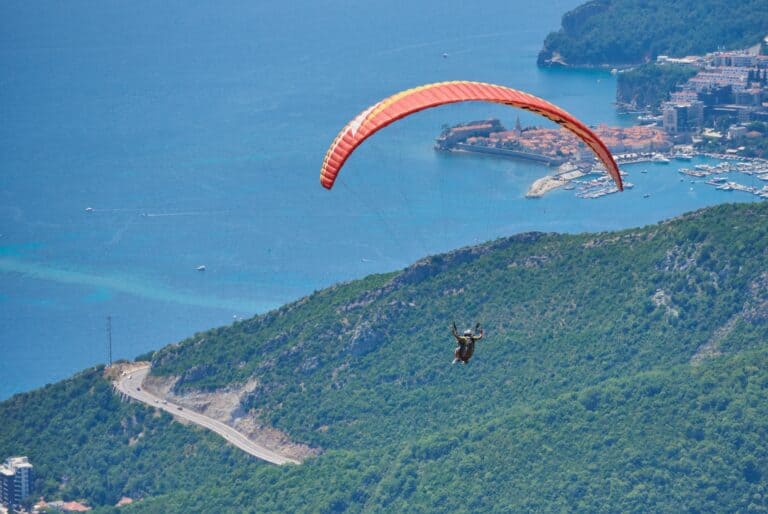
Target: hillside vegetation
{"type": "Point", "coordinates": [620, 32]}
{"type": "Point", "coordinates": [583, 396]}
{"type": "Point", "coordinates": [648, 85]}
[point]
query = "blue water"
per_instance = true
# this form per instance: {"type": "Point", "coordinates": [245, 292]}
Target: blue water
{"type": "Point", "coordinates": [195, 132]}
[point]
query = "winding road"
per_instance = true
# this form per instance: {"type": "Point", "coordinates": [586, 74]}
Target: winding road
{"type": "Point", "coordinates": [131, 384]}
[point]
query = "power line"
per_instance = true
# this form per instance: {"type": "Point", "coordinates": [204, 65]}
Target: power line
{"type": "Point", "coordinates": [109, 340]}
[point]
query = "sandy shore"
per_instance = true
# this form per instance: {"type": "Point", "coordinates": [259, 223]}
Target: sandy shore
{"type": "Point", "coordinates": [546, 184]}
{"type": "Point", "coordinates": [543, 186]}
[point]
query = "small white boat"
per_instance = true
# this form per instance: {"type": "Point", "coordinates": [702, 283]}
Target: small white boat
{"type": "Point", "coordinates": [89, 209]}
{"type": "Point", "coordinates": [201, 268]}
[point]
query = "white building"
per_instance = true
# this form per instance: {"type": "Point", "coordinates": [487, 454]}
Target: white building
{"type": "Point", "coordinates": [681, 118]}
{"type": "Point", "coordinates": [683, 96]}
{"type": "Point", "coordinates": [693, 60]}
{"type": "Point", "coordinates": [739, 58]}
{"type": "Point", "coordinates": [718, 77]}
{"type": "Point", "coordinates": [736, 132]}
{"type": "Point", "coordinates": [16, 477]}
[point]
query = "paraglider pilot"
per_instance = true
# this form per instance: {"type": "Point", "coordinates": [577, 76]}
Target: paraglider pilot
{"type": "Point", "coordinates": [466, 343]}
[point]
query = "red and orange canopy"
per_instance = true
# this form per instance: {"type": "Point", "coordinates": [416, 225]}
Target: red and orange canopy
{"type": "Point", "coordinates": [417, 99]}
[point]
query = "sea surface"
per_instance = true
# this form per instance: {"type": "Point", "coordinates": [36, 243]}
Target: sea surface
{"type": "Point", "coordinates": [194, 132]}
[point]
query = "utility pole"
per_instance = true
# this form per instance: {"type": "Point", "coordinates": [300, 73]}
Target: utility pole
{"type": "Point", "coordinates": [109, 340]}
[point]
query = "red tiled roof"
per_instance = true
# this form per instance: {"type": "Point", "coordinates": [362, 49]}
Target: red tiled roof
{"type": "Point", "coordinates": [75, 507]}
{"type": "Point", "coordinates": [124, 501]}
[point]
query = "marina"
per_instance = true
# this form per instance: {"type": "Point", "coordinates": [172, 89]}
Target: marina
{"type": "Point", "coordinates": [720, 173]}
{"type": "Point", "coordinates": [590, 181]}
{"type": "Point", "coordinates": [598, 187]}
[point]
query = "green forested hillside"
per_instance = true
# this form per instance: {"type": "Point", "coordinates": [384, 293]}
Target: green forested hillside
{"type": "Point", "coordinates": [616, 32]}
{"type": "Point", "coordinates": [85, 443]}
{"type": "Point", "coordinates": [582, 397]}
{"type": "Point", "coordinates": [562, 312]}
{"type": "Point", "coordinates": [648, 85]}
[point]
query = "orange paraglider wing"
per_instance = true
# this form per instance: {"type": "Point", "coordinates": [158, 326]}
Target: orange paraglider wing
{"type": "Point", "coordinates": [417, 99]}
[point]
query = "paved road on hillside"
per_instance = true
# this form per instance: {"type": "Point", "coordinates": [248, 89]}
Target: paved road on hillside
{"type": "Point", "coordinates": [132, 385]}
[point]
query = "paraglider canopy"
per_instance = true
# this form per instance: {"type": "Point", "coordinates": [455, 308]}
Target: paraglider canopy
{"type": "Point", "coordinates": [402, 104]}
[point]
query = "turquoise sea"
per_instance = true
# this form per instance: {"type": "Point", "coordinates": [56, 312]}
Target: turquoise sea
{"type": "Point", "coordinates": [195, 133]}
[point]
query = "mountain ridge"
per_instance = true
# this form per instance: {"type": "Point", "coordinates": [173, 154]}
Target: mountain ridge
{"type": "Point", "coordinates": [582, 396]}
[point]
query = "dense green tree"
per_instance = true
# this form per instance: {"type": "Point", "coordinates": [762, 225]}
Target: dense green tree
{"type": "Point", "coordinates": [620, 32]}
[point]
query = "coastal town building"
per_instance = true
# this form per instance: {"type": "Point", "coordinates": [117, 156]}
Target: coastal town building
{"type": "Point", "coordinates": [739, 58]}
{"type": "Point", "coordinates": [730, 86]}
{"type": "Point", "coordinates": [693, 60]}
{"type": "Point", "coordinates": [752, 96]}
{"type": "Point", "coordinates": [736, 132]}
{"type": "Point", "coordinates": [551, 146]}
{"type": "Point", "coordinates": [62, 506]}
{"type": "Point", "coordinates": [683, 96]}
{"type": "Point", "coordinates": [740, 113]}
{"type": "Point", "coordinates": [16, 477]}
{"type": "Point", "coordinates": [682, 118]}
{"type": "Point", "coordinates": [716, 96]}
{"type": "Point", "coordinates": [482, 128]}
{"type": "Point", "coordinates": [638, 139]}
{"type": "Point", "coordinates": [124, 501]}
{"type": "Point", "coordinates": [736, 77]}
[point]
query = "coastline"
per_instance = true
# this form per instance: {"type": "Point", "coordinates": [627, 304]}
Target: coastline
{"type": "Point", "coordinates": [558, 147]}
{"type": "Point", "coordinates": [552, 59]}
{"type": "Point", "coordinates": [569, 172]}
{"type": "Point", "coordinates": [544, 185]}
